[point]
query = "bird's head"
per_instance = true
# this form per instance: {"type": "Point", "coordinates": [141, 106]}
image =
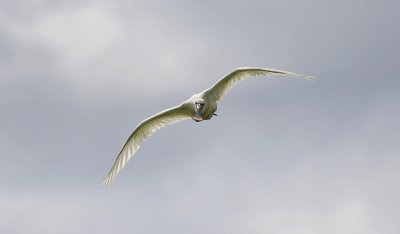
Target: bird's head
{"type": "Point", "coordinates": [198, 107]}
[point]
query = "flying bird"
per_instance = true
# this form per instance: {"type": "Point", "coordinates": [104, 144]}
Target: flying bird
{"type": "Point", "coordinates": [199, 107]}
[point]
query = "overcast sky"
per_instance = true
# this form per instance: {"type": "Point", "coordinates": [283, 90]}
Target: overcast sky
{"type": "Point", "coordinates": [283, 155]}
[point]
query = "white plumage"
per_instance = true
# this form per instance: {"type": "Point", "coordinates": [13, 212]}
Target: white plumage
{"type": "Point", "coordinates": [199, 107]}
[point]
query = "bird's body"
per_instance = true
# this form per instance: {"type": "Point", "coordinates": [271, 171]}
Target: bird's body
{"type": "Point", "coordinates": [199, 107]}
{"type": "Point", "coordinates": [210, 105]}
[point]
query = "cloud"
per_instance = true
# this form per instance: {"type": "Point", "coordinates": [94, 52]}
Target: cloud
{"type": "Point", "coordinates": [79, 33]}
{"type": "Point", "coordinates": [283, 156]}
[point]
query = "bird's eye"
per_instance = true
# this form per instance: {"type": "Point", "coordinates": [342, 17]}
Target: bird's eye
{"type": "Point", "coordinates": [198, 105]}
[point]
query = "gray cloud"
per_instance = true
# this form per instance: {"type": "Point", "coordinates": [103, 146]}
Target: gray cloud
{"type": "Point", "coordinates": [283, 156]}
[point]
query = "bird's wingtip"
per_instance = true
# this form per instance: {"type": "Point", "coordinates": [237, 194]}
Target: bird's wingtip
{"type": "Point", "coordinates": [106, 182]}
{"type": "Point", "coordinates": [308, 77]}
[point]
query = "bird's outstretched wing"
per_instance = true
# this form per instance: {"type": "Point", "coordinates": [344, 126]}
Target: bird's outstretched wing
{"type": "Point", "coordinates": [143, 131]}
{"type": "Point", "coordinates": [226, 83]}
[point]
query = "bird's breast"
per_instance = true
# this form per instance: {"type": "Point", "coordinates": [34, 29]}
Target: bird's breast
{"type": "Point", "coordinates": [209, 110]}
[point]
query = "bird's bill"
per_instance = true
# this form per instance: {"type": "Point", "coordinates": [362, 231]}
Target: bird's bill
{"type": "Point", "coordinates": [197, 118]}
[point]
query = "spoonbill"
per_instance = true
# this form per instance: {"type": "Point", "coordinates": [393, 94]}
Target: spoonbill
{"type": "Point", "coordinates": [199, 107]}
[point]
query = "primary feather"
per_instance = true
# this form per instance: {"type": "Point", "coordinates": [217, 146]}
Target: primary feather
{"type": "Point", "coordinates": [143, 131]}
{"type": "Point", "coordinates": [231, 79]}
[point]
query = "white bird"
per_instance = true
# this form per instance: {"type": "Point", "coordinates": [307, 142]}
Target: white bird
{"type": "Point", "coordinates": [199, 107]}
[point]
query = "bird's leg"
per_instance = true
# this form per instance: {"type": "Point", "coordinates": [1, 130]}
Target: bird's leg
{"type": "Point", "coordinates": [215, 114]}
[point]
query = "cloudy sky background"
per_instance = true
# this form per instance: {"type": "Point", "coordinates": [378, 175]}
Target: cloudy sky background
{"type": "Point", "coordinates": [283, 156]}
